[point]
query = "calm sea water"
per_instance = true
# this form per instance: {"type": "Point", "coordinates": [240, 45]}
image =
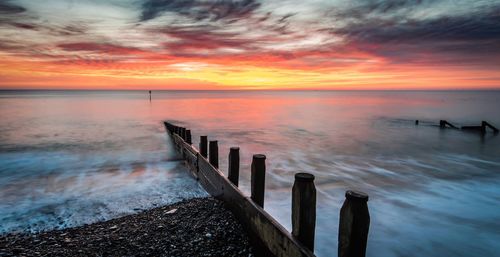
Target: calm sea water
{"type": "Point", "coordinates": [69, 158]}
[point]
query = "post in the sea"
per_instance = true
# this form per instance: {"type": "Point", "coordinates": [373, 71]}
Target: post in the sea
{"type": "Point", "coordinates": [258, 173]}
{"type": "Point", "coordinates": [354, 225]}
{"type": "Point", "coordinates": [485, 125]}
{"type": "Point", "coordinates": [213, 154]}
{"type": "Point", "coordinates": [444, 124]}
{"type": "Point", "coordinates": [234, 165]}
{"type": "Point", "coordinates": [188, 136]}
{"type": "Point", "coordinates": [304, 209]}
{"type": "Point", "coordinates": [204, 146]}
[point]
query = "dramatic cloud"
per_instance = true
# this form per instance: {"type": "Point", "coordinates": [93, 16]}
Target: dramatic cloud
{"type": "Point", "coordinates": [7, 8]}
{"type": "Point", "coordinates": [472, 37]}
{"type": "Point", "coordinates": [199, 9]}
{"type": "Point", "coordinates": [287, 43]}
{"type": "Point", "coordinates": [200, 38]}
{"type": "Point", "coordinates": [94, 47]}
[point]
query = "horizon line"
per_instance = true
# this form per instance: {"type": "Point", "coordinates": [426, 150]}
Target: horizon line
{"type": "Point", "coordinates": [249, 90]}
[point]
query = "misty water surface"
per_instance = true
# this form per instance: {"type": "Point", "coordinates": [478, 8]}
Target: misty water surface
{"type": "Point", "coordinates": [69, 158]}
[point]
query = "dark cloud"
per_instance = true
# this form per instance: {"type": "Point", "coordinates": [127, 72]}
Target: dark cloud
{"type": "Point", "coordinates": [8, 45]}
{"type": "Point", "coordinates": [472, 35]}
{"type": "Point", "coordinates": [98, 47]}
{"type": "Point", "coordinates": [210, 40]}
{"type": "Point", "coordinates": [70, 30]}
{"type": "Point", "coordinates": [387, 6]}
{"type": "Point", "coordinates": [191, 39]}
{"type": "Point", "coordinates": [360, 10]}
{"type": "Point", "coordinates": [12, 15]}
{"type": "Point", "coordinates": [390, 5]}
{"type": "Point", "coordinates": [23, 25]}
{"type": "Point", "coordinates": [228, 10]}
{"type": "Point", "coordinates": [6, 7]}
{"type": "Point", "coordinates": [9, 12]}
{"type": "Point", "coordinates": [480, 27]}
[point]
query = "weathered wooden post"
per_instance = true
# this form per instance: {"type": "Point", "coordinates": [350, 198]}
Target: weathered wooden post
{"type": "Point", "coordinates": [203, 146]}
{"type": "Point", "coordinates": [213, 156]}
{"type": "Point", "coordinates": [176, 130]}
{"type": "Point", "coordinates": [482, 130]}
{"type": "Point", "coordinates": [304, 209]}
{"type": "Point", "coordinates": [486, 124]}
{"type": "Point", "coordinates": [234, 165]}
{"type": "Point", "coordinates": [183, 133]}
{"type": "Point", "coordinates": [354, 225]}
{"type": "Point", "coordinates": [188, 136]}
{"type": "Point", "coordinates": [258, 179]}
{"type": "Point", "coordinates": [442, 124]}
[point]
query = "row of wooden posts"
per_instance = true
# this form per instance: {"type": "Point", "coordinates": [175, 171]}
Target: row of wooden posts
{"type": "Point", "coordinates": [354, 215]}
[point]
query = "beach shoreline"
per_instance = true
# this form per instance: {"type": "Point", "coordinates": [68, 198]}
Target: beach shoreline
{"type": "Point", "coordinates": [194, 227]}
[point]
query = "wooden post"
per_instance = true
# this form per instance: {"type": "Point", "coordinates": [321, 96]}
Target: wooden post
{"type": "Point", "coordinates": [354, 225]}
{"type": "Point", "coordinates": [482, 130]}
{"type": "Point", "coordinates": [183, 133]}
{"type": "Point", "coordinates": [442, 124]}
{"type": "Point", "coordinates": [176, 130]}
{"type": "Point", "coordinates": [304, 209]}
{"type": "Point", "coordinates": [234, 165]}
{"type": "Point", "coordinates": [213, 156]}
{"type": "Point", "coordinates": [258, 179]}
{"type": "Point", "coordinates": [203, 146]}
{"type": "Point", "coordinates": [188, 136]}
{"type": "Point", "coordinates": [485, 124]}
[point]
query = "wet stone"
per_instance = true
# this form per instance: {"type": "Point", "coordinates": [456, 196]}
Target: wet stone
{"type": "Point", "coordinates": [197, 227]}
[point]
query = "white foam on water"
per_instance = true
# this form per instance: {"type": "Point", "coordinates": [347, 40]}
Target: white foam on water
{"type": "Point", "coordinates": [60, 201]}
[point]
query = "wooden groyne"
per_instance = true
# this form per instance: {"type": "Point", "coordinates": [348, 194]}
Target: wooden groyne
{"type": "Point", "coordinates": [482, 129]}
{"type": "Point", "coordinates": [444, 124]}
{"type": "Point", "coordinates": [270, 237]}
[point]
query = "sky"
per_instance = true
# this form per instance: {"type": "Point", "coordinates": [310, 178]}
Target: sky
{"type": "Point", "coordinates": [249, 44]}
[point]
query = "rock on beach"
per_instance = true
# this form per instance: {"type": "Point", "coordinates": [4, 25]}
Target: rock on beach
{"type": "Point", "coordinates": [196, 227]}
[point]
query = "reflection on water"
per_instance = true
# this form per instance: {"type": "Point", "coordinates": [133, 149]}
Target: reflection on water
{"type": "Point", "coordinates": [68, 158]}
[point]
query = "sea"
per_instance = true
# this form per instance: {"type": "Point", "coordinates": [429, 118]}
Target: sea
{"type": "Point", "coordinates": [69, 158]}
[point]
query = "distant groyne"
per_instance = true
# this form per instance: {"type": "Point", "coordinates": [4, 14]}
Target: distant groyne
{"type": "Point", "coordinates": [270, 237]}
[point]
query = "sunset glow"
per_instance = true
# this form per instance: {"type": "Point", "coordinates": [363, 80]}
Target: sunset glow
{"type": "Point", "coordinates": [249, 44]}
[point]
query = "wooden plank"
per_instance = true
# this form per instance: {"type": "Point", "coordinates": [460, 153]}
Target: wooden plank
{"type": "Point", "coordinates": [209, 178]}
{"type": "Point", "coordinates": [258, 222]}
{"type": "Point", "coordinates": [177, 140]}
{"type": "Point", "coordinates": [189, 154]}
{"type": "Point", "coordinates": [274, 236]}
